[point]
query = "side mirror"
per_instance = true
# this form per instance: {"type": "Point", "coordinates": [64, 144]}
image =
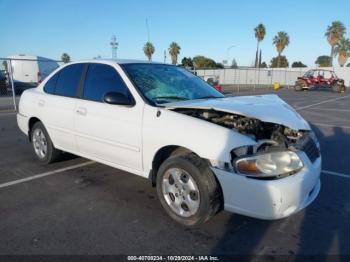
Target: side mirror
{"type": "Point", "coordinates": [116, 98]}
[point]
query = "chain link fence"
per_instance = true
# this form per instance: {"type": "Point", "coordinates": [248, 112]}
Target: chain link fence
{"type": "Point", "coordinates": [20, 73]}
{"type": "Point", "coordinates": [241, 79]}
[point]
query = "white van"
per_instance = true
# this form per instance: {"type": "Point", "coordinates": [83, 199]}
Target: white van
{"type": "Point", "coordinates": [28, 71]}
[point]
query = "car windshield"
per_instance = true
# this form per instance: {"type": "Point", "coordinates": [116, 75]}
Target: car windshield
{"type": "Point", "coordinates": [161, 83]}
{"type": "Point", "coordinates": [309, 73]}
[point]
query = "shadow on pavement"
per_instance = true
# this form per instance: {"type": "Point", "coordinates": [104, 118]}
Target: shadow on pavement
{"type": "Point", "coordinates": [241, 237]}
{"type": "Point", "coordinates": [325, 228]}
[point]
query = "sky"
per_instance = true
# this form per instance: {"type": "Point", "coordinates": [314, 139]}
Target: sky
{"type": "Point", "coordinates": [83, 28]}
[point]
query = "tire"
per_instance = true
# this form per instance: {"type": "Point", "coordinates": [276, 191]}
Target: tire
{"type": "Point", "coordinates": [299, 85]}
{"type": "Point", "coordinates": [3, 87]}
{"type": "Point", "coordinates": [43, 147]}
{"type": "Point", "coordinates": [188, 190]}
{"type": "Point", "coordinates": [297, 88]}
{"type": "Point", "coordinates": [338, 87]}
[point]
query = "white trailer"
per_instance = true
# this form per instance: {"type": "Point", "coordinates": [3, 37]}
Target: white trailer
{"type": "Point", "coordinates": [28, 71]}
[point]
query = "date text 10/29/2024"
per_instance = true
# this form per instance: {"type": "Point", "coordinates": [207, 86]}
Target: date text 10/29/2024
{"type": "Point", "coordinates": [173, 258]}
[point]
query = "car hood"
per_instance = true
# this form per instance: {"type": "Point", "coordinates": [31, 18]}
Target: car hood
{"type": "Point", "coordinates": [267, 108]}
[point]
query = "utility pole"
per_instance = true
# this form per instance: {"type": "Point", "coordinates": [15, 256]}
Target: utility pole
{"type": "Point", "coordinates": [114, 44]}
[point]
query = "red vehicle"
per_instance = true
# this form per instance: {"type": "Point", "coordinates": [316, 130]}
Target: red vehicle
{"type": "Point", "coordinates": [214, 81]}
{"type": "Point", "coordinates": [320, 78]}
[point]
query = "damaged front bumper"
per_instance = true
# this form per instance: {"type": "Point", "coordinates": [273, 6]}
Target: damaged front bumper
{"type": "Point", "coordinates": [271, 199]}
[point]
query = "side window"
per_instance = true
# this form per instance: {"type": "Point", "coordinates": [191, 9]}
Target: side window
{"type": "Point", "coordinates": [101, 79]}
{"type": "Point", "coordinates": [51, 84]}
{"type": "Point", "coordinates": [68, 80]}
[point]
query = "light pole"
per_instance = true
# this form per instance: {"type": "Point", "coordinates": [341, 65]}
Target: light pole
{"type": "Point", "coordinates": [228, 52]}
{"type": "Point", "coordinates": [227, 57]}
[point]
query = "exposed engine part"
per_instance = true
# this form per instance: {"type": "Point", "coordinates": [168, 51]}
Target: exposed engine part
{"type": "Point", "coordinates": [269, 136]}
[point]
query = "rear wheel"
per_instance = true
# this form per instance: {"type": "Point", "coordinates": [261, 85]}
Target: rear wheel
{"type": "Point", "coordinates": [299, 85]}
{"type": "Point", "coordinates": [44, 150]}
{"type": "Point", "coordinates": [188, 190]}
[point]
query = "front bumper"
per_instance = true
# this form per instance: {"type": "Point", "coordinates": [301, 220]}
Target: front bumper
{"type": "Point", "coordinates": [271, 199]}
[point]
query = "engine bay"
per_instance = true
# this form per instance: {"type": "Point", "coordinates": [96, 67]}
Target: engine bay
{"type": "Point", "coordinates": [269, 136]}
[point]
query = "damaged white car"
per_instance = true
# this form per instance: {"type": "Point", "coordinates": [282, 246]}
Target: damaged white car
{"type": "Point", "coordinates": [203, 151]}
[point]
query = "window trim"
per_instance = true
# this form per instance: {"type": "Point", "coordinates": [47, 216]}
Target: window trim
{"type": "Point", "coordinates": [80, 94]}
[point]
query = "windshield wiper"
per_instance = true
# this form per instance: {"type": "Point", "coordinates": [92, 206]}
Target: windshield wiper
{"type": "Point", "coordinates": [171, 97]}
{"type": "Point", "coordinates": [207, 97]}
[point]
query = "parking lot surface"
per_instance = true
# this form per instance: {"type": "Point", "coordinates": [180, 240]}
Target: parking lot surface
{"type": "Point", "coordinates": [78, 207]}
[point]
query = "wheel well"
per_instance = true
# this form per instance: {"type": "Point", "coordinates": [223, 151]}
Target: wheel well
{"type": "Point", "coordinates": [161, 155]}
{"type": "Point", "coordinates": [31, 123]}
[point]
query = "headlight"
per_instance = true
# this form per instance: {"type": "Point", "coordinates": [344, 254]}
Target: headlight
{"type": "Point", "coordinates": [269, 164]}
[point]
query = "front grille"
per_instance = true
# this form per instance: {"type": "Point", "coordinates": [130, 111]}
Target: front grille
{"type": "Point", "coordinates": [310, 148]}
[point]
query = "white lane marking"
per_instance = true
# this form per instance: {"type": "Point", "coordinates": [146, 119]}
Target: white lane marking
{"type": "Point", "coordinates": [322, 102]}
{"type": "Point", "coordinates": [7, 112]}
{"type": "Point", "coordinates": [11, 183]}
{"type": "Point", "coordinates": [335, 174]}
{"type": "Point", "coordinates": [331, 109]}
{"type": "Point", "coordinates": [328, 125]}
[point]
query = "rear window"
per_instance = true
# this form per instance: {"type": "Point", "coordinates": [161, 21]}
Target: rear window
{"type": "Point", "coordinates": [51, 84]}
{"type": "Point", "coordinates": [68, 80]}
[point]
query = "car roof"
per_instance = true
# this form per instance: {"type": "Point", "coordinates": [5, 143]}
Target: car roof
{"type": "Point", "coordinates": [320, 69]}
{"type": "Point", "coordinates": [23, 57]}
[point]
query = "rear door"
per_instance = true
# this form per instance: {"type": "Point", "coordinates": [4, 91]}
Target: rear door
{"type": "Point", "coordinates": [111, 133]}
{"type": "Point", "coordinates": [30, 71]}
{"type": "Point", "coordinates": [58, 106]}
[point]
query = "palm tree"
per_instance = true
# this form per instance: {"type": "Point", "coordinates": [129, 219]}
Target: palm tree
{"type": "Point", "coordinates": [148, 49]}
{"type": "Point", "coordinates": [334, 33]}
{"type": "Point", "coordinates": [65, 58]}
{"type": "Point", "coordinates": [259, 35]}
{"type": "Point", "coordinates": [342, 49]}
{"type": "Point", "coordinates": [281, 40]}
{"type": "Point", "coordinates": [174, 51]}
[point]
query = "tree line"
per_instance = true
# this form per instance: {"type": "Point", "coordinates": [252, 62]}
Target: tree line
{"type": "Point", "coordinates": [335, 35]}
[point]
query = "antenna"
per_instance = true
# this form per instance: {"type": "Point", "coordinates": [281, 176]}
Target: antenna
{"type": "Point", "coordinates": [114, 44]}
{"type": "Point", "coordinates": [147, 28]}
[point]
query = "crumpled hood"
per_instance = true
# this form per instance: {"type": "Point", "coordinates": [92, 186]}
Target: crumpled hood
{"type": "Point", "coordinates": [267, 108]}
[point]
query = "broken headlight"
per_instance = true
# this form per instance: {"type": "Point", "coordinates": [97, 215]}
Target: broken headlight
{"type": "Point", "coordinates": [271, 164]}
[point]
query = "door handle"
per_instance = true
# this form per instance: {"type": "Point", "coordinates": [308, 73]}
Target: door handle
{"type": "Point", "coordinates": [81, 111]}
{"type": "Point", "coordinates": [41, 103]}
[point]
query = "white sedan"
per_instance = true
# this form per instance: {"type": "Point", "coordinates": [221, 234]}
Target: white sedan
{"type": "Point", "coordinates": [203, 151]}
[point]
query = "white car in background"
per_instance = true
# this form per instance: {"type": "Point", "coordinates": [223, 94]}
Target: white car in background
{"type": "Point", "coordinates": [203, 151]}
{"type": "Point", "coordinates": [29, 71]}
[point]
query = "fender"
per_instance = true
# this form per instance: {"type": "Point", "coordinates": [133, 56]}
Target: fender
{"type": "Point", "coordinates": [163, 127]}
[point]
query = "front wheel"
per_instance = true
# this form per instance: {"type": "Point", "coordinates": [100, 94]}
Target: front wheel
{"type": "Point", "coordinates": [43, 147]}
{"type": "Point", "coordinates": [188, 190]}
